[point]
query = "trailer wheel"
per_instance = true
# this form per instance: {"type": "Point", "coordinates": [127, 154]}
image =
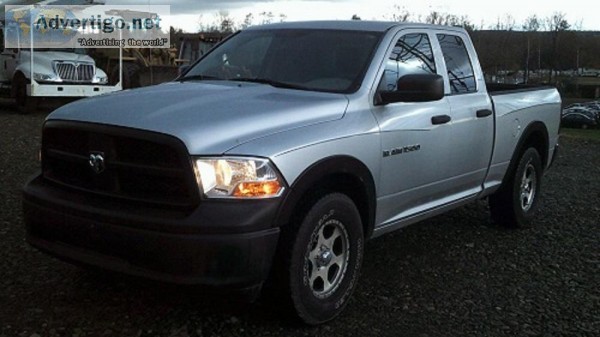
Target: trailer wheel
{"type": "Point", "coordinates": [25, 104]}
{"type": "Point", "coordinates": [131, 76]}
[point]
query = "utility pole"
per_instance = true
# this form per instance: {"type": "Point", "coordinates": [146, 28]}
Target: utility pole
{"type": "Point", "coordinates": [527, 61]}
{"type": "Point", "coordinates": [577, 61]}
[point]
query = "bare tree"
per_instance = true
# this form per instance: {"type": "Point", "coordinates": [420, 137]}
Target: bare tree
{"type": "Point", "coordinates": [401, 14]}
{"type": "Point", "coordinates": [532, 25]}
{"type": "Point", "coordinates": [266, 17]}
{"type": "Point", "coordinates": [225, 22]}
{"type": "Point", "coordinates": [201, 24]}
{"type": "Point", "coordinates": [556, 24]}
{"type": "Point", "coordinates": [248, 20]}
{"type": "Point", "coordinates": [435, 18]}
{"type": "Point", "coordinates": [506, 22]}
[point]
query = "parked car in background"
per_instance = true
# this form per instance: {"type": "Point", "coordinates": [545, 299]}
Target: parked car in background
{"type": "Point", "coordinates": [579, 119]}
{"type": "Point", "coordinates": [581, 115]}
{"type": "Point", "coordinates": [593, 105]}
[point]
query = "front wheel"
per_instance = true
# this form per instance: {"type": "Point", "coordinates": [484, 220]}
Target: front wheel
{"type": "Point", "coordinates": [515, 203]}
{"type": "Point", "coordinates": [325, 260]}
{"type": "Point", "coordinates": [25, 104]}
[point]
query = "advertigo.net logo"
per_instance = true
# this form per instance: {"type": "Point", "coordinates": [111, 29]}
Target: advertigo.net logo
{"type": "Point", "coordinates": [97, 26]}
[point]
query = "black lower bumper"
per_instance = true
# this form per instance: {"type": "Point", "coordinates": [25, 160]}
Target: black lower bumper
{"type": "Point", "coordinates": [554, 155]}
{"type": "Point", "coordinates": [161, 245]}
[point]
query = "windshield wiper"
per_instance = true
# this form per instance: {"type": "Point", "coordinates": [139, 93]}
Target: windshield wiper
{"type": "Point", "coordinates": [273, 83]}
{"type": "Point", "coordinates": [198, 78]}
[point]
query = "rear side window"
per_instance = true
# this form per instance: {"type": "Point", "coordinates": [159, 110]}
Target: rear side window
{"type": "Point", "coordinates": [460, 69]}
{"type": "Point", "coordinates": [412, 54]}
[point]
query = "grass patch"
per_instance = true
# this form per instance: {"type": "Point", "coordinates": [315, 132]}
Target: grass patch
{"type": "Point", "coordinates": [590, 134]}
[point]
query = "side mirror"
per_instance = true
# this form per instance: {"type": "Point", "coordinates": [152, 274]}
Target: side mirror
{"type": "Point", "coordinates": [414, 88]}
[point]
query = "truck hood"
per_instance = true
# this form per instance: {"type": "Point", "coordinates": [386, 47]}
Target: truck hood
{"type": "Point", "coordinates": [209, 117]}
{"type": "Point", "coordinates": [47, 57]}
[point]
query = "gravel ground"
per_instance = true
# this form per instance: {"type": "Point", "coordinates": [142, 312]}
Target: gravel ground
{"type": "Point", "coordinates": [454, 275]}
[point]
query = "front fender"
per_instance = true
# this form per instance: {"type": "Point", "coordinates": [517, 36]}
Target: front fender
{"type": "Point", "coordinates": [25, 69]}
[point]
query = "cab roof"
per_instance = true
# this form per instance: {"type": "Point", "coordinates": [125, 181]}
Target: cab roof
{"type": "Point", "coordinates": [357, 25]}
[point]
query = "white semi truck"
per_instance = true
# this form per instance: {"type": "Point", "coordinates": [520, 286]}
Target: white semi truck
{"type": "Point", "coordinates": [29, 74]}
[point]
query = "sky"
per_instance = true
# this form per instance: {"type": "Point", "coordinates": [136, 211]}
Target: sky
{"type": "Point", "coordinates": [186, 14]}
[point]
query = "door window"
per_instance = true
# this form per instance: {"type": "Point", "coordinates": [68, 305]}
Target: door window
{"type": "Point", "coordinates": [460, 69]}
{"type": "Point", "coordinates": [412, 54]}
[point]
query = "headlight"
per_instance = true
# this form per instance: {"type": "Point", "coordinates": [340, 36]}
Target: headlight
{"type": "Point", "coordinates": [101, 79]}
{"type": "Point", "coordinates": [237, 178]}
{"type": "Point", "coordinates": [44, 77]}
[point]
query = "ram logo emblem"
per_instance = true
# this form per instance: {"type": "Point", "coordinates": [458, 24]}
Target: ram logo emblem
{"type": "Point", "coordinates": [97, 162]}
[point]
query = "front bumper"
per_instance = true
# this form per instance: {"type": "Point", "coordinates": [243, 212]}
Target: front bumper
{"type": "Point", "coordinates": [70, 90]}
{"type": "Point", "coordinates": [228, 244]}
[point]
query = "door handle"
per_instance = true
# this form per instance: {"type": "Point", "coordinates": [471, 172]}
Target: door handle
{"type": "Point", "coordinates": [484, 113]}
{"type": "Point", "coordinates": [441, 119]}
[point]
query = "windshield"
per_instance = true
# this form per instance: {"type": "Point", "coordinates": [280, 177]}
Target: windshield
{"type": "Point", "coordinates": [308, 59]}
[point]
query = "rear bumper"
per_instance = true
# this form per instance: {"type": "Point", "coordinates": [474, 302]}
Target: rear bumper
{"type": "Point", "coordinates": [190, 249]}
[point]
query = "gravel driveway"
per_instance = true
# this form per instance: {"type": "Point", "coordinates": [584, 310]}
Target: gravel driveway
{"type": "Point", "coordinates": [454, 275]}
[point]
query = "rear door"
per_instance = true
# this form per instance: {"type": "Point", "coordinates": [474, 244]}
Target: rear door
{"type": "Point", "coordinates": [472, 134]}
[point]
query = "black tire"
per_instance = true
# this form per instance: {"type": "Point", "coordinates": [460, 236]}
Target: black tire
{"type": "Point", "coordinates": [515, 204]}
{"type": "Point", "coordinates": [327, 242]}
{"type": "Point", "coordinates": [131, 76]}
{"type": "Point", "coordinates": [25, 104]}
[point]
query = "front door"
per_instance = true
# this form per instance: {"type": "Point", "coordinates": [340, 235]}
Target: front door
{"type": "Point", "coordinates": [416, 138]}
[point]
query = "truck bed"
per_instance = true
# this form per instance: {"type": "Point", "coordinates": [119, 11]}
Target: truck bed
{"type": "Point", "coordinates": [502, 88]}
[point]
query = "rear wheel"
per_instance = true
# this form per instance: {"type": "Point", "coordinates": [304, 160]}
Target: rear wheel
{"type": "Point", "coordinates": [324, 262]}
{"type": "Point", "coordinates": [515, 203]}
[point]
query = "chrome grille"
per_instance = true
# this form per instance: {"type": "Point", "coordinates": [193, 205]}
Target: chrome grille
{"type": "Point", "coordinates": [76, 72]}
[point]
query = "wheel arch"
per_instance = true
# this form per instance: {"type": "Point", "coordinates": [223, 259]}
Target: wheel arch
{"type": "Point", "coordinates": [344, 174]}
{"type": "Point", "coordinates": [535, 135]}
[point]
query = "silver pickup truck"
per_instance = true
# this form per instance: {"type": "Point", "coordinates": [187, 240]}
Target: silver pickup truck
{"type": "Point", "coordinates": [274, 157]}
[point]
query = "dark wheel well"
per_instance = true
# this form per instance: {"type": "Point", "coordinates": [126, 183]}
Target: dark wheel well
{"type": "Point", "coordinates": [536, 136]}
{"type": "Point", "coordinates": [340, 174]}
{"type": "Point", "coordinates": [340, 183]}
{"type": "Point", "coordinates": [538, 139]}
